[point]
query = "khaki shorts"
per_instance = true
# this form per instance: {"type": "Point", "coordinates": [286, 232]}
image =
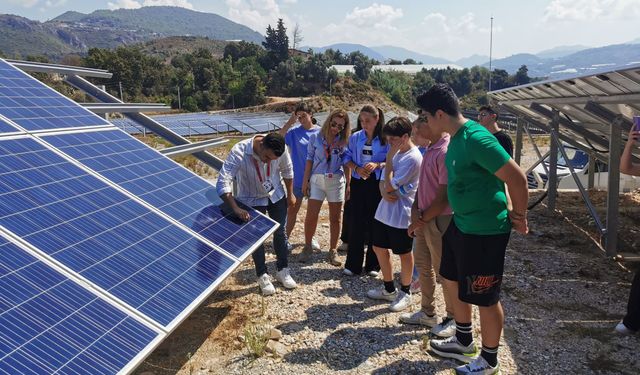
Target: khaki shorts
{"type": "Point", "coordinates": [327, 186]}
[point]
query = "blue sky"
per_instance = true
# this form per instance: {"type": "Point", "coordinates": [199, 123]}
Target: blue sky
{"type": "Point", "coordinates": [450, 29]}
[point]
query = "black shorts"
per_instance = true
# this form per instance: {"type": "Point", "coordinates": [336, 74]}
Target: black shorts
{"type": "Point", "coordinates": [476, 262]}
{"type": "Point", "coordinates": [388, 237]}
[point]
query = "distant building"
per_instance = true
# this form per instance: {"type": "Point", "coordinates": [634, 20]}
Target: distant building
{"type": "Point", "coordinates": [409, 69]}
{"type": "Point", "coordinates": [297, 52]}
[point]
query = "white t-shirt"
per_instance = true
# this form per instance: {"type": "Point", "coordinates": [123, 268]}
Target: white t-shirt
{"type": "Point", "coordinates": [367, 154]}
{"type": "Point", "coordinates": [406, 174]}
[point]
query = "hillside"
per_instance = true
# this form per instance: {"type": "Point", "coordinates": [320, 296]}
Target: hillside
{"type": "Point", "coordinates": [74, 32]}
{"type": "Point", "coordinates": [167, 48]}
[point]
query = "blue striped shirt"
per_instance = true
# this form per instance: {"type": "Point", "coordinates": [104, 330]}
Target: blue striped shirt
{"type": "Point", "coordinates": [354, 152]}
{"type": "Point", "coordinates": [317, 153]}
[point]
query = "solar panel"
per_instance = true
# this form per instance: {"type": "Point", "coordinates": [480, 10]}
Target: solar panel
{"type": "Point", "coordinates": [6, 128]}
{"type": "Point", "coordinates": [101, 234]}
{"type": "Point", "coordinates": [165, 185]}
{"type": "Point", "coordinates": [34, 106]}
{"type": "Point", "coordinates": [50, 323]}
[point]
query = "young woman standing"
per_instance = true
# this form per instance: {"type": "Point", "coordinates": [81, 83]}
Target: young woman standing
{"type": "Point", "coordinates": [365, 156]}
{"type": "Point", "coordinates": [324, 177]}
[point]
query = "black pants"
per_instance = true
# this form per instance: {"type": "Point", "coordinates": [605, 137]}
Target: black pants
{"type": "Point", "coordinates": [346, 218]}
{"type": "Point", "coordinates": [365, 196]}
{"type": "Point", "coordinates": [278, 212]}
{"type": "Point", "coordinates": [632, 319]}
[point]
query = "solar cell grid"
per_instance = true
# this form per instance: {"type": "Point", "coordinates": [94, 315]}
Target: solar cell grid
{"type": "Point", "coordinates": [165, 185]}
{"type": "Point", "coordinates": [50, 323]}
{"type": "Point", "coordinates": [100, 233]}
{"type": "Point", "coordinates": [34, 106]}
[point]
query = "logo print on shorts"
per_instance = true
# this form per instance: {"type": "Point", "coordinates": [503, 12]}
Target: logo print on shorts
{"type": "Point", "coordinates": [481, 284]}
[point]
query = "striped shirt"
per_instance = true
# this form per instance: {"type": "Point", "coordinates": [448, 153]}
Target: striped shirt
{"type": "Point", "coordinates": [241, 166]}
{"type": "Point", "coordinates": [325, 158]}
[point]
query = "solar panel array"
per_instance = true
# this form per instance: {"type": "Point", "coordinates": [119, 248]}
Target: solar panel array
{"type": "Point", "coordinates": [106, 244]}
{"type": "Point", "coordinates": [197, 124]}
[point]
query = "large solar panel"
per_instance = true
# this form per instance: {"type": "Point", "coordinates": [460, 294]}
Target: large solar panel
{"type": "Point", "coordinates": [165, 185]}
{"type": "Point", "coordinates": [34, 106]}
{"type": "Point", "coordinates": [50, 323]}
{"type": "Point", "coordinates": [98, 232]}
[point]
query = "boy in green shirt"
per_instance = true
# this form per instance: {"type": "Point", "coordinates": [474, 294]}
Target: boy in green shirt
{"type": "Point", "coordinates": [475, 243]}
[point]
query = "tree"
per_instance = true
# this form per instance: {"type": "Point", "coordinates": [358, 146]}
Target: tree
{"type": "Point", "coordinates": [297, 36]}
{"type": "Point", "coordinates": [276, 42]}
{"type": "Point", "coordinates": [238, 50]}
{"type": "Point", "coordinates": [409, 62]}
{"type": "Point", "coordinates": [362, 67]}
{"type": "Point", "coordinates": [522, 76]}
{"type": "Point", "coordinates": [394, 62]}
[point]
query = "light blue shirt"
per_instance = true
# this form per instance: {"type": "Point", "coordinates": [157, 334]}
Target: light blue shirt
{"type": "Point", "coordinates": [297, 140]}
{"type": "Point", "coordinates": [406, 174]}
{"type": "Point", "coordinates": [354, 152]}
{"type": "Point", "coordinates": [317, 153]}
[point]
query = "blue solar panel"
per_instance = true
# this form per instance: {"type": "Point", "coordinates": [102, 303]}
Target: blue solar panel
{"type": "Point", "coordinates": [34, 106]}
{"type": "Point", "coordinates": [6, 128]}
{"type": "Point", "coordinates": [118, 244]}
{"type": "Point", "coordinates": [50, 323]}
{"type": "Point", "coordinates": [164, 184]}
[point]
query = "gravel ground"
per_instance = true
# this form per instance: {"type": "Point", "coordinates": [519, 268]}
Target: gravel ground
{"type": "Point", "coordinates": [561, 296]}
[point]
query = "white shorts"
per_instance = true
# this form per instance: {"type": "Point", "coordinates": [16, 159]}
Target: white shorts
{"type": "Point", "coordinates": [327, 186]}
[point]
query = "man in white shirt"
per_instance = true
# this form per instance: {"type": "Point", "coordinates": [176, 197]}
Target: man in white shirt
{"type": "Point", "coordinates": [259, 165]}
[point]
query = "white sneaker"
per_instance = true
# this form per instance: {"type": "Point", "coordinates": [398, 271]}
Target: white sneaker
{"type": "Point", "coordinates": [402, 301]}
{"type": "Point", "coordinates": [622, 329]}
{"type": "Point", "coordinates": [446, 328]}
{"type": "Point", "coordinates": [284, 277]}
{"type": "Point", "coordinates": [289, 246]}
{"type": "Point", "coordinates": [266, 287]}
{"type": "Point", "coordinates": [478, 366]}
{"type": "Point", "coordinates": [373, 273]}
{"type": "Point", "coordinates": [381, 293]}
{"type": "Point", "coordinates": [314, 244]}
{"type": "Point", "coordinates": [419, 318]}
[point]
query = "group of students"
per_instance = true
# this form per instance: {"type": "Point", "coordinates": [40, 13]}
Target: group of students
{"type": "Point", "coordinates": [446, 207]}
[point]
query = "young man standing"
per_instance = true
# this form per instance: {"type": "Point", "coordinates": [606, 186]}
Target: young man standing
{"type": "Point", "coordinates": [259, 165]}
{"type": "Point", "coordinates": [397, 186]}
{"type": "Point", "coordinates": [488, 118]}
{"type": "Point", "coordinates": [475, 243]}
{"type": "Point", "coordinates": [430, 218]}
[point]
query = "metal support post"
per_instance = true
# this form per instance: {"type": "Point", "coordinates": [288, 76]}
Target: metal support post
{"type": "Point", "coordinates": [552, 185]}
{"type": "Point", "coordinates": [518, 154]}
{"type": "Point", "coordinates": [591, 169]}
{"type": "Point", "coordinates": [613, 187]}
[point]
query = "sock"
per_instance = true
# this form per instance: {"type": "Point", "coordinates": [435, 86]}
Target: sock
{"type": "Point", "coordinates": [463, 333]}
{"type": "Point", "coordinates": [490, 355]}
{"type": "Point", "coordinates": [389, 286]}
{"type": "Point", "coordinates": [406, 288]}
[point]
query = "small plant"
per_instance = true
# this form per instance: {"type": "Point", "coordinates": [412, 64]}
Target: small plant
{"type": "Point", "coordinates": [256, 337]}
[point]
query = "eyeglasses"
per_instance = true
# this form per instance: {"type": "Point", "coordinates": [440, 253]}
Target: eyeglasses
{"type": "Point", "coordinates": [482, 114]}
{"type": "Point", "coordinates": [337, 125]}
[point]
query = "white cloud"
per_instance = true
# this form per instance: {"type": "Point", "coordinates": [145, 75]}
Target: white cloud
{"type": "Point", "coordinates": [377, 15]}
{"type": "Point", "coordinates": [257, 14]}
{"type": "Point", "coordinates": [25, 3]}
{"type": "Point", "coordinates": [134, 4]}
{"type": "Point", "coordinates": [590, 10]}
{"type": "Point", "coordinates": [124, 4]}
{"type": "Point", "coordinates": [289, 1]}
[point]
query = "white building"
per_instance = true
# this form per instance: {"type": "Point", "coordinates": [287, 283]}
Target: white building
{"type": "Point", "coordinates": [409, 69]}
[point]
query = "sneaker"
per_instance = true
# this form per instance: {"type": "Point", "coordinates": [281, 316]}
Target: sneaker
{"type": "Point", "coordinates": [478, 366]}
{"type": "Point", "coordinates": [284, 277]}
{"type": "Point", "coordinates": [266, 287]}
{"type": "Point", "coordinates": [445, 329]}
{"type": "Point", "coordinates": [334, 259]}
{"type": "Point", "coordinates": [419, 318]}
{"type": "Point", "coordinates": [415, 286]}
{"type": "Point", "coordinates": [402, 301]}
{"type": "Point", "coordinates": [624, 330]}
{"type": "Point", "coordinates": [305, 254]}
{"type": "Point", "coordinates": [381, 293]}
{"type": "Point", "coordinates": [451, 348]}
{"type": "Point", "coordinates": [314, 244]}
{"type": "Point", "coordinates": [289, 246]}
{"type": "Point", "coordinates": [343, 247]}
{"type": "Point", "coordinates": [347, 272]}
{"type": "Point", "coordinates": [373, 273]}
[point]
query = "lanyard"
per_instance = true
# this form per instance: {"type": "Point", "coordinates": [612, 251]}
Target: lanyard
{"type": "Point", "coordinates": [255, 164]}
{"type": "Point", "coordinates": [328, 148]}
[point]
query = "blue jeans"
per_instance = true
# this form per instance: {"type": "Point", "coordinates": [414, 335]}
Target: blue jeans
{"type": "Point", "coordinates": [278, 212]}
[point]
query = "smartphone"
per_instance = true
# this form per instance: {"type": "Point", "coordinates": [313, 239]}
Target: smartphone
{"type": "Point", "coordinates": [636, 123]}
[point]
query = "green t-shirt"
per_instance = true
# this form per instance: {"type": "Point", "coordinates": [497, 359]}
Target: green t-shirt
{"type": "Point", "coordinates": [476, 195]}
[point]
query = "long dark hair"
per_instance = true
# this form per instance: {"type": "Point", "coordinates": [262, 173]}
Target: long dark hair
{"type": "Point", "coordinates": [372, 110]}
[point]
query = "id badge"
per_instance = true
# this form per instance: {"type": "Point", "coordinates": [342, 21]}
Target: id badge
{"type": "Point", "coordinates": [268, 186]}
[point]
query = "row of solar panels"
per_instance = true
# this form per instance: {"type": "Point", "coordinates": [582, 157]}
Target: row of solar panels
{"type": "Point", "coordinates": [195, 124]}
{"type": "Point", "coordinates": [105, 244]}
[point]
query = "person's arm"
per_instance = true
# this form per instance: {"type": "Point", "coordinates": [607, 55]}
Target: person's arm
{"type": "Point", "coordinates": [348, 160]}
{"type": "Point", "coordinates": [416, 222]}
{"type": "Point", "coordinates": [516, 182]}
{"type": "Point", "coordinates": [347, 178]}
{"type": "Point", "coordinates": [438, 205]}
{"type": "Point", "coordinates": [626, 160]}
{"type": "Point", "coordinates": [382, 186]}
{"type": "Point", "coordinates": [224, 185]}
{"type": "Point", "coordinates": [286, 171]}
{"type": "Point", "coordinates": [287, 125]}
{"type": "Point", "coordinates": [307, 176]}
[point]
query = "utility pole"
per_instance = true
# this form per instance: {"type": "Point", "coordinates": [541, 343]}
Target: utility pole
{"type": "Point", "coordinates": [179, 103]}
{"type": "Point", "coordinates": [120, 85]}
{"type": "Point", "coordinates": [330, 96]}
{"type": "Point", "coordinates": [490, 51]}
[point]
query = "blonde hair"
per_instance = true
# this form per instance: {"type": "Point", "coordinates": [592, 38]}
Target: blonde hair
{"type": "Point", "coordinates": [344, 133]}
